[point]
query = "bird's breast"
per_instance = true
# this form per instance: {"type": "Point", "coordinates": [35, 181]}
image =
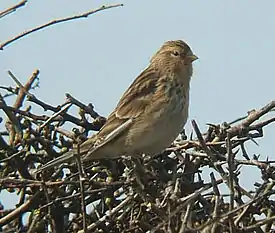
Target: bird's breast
{"type": "Point", "coordinates": [163, 120]}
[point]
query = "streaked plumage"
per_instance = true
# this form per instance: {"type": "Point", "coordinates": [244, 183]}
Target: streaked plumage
{"type": "Point", "coordinates": [150, 114]}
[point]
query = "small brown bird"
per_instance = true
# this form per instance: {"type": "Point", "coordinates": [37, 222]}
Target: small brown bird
{"type": "Point", "coordinates": [150, 114]}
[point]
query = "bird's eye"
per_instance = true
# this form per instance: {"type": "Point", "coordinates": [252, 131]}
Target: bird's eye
{"type": "Point", "coordinates": [176, 53]}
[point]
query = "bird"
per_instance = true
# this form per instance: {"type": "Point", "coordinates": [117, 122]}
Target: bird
{"type": "Point", "coordinates": [149, 115]}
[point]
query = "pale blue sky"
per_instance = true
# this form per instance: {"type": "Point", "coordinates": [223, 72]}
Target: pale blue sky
{"type": "Point", "coordinates": [96, 58]}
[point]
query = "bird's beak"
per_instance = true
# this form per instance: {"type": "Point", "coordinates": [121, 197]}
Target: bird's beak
{"type": "Point", "coordinates": [191, 58]}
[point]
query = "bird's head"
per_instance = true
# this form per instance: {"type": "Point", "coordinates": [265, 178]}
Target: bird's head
{"type": "Point", "coordinates": [176, 55]}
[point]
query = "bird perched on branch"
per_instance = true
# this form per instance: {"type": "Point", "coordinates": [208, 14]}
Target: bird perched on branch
{"type": "Point", "coordinates": [150, 114]}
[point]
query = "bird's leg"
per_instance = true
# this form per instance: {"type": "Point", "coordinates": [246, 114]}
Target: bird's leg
{"type": "Point", "coordinates": [140, 172]}
{"type": "Point", "coordinates": [82, 174]}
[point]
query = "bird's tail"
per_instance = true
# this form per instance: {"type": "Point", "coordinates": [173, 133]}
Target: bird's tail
{"type": "Point", "coordinates": [85, 147]}
{"type": "Point", "coordinates": [61, 159]}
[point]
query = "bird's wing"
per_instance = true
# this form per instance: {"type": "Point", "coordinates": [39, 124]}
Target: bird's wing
{"type": "Point", "coordinates": [132, 104]}
{"type": "Point", "coordinates": [138, 96]}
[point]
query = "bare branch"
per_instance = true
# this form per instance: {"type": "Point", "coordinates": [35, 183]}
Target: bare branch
{"type": "Point", "coordinates": [12, 9]}
{"type": "Point", "coordinates": [57, 21]}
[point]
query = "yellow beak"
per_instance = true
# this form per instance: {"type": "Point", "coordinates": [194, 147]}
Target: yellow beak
{"type": "Point", "coordinates": [192, 58]}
